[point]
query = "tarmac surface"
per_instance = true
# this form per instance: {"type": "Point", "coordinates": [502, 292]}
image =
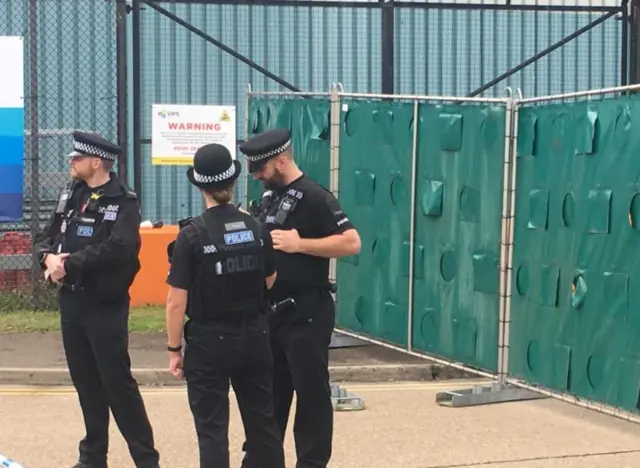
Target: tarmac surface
{"type": "Point", "coordinates": [38, 359]}
{"type": "Point", "coordinates": [401, 427]}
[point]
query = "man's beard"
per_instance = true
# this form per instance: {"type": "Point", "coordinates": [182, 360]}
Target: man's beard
{"type": "Point", "coordinates": [274, 183]}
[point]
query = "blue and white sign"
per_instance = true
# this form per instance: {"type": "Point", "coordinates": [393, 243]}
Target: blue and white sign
{"type": "Point", "coordinates": [11, 128]}
{"type": "Point", "coordinates": [241, 237]}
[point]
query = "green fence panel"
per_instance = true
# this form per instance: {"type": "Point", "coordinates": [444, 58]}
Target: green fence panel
{"type": "Point", "coordinates": [309, 122]}
{"type": "Point", "coordinates": [458, 226]}
{"type": "Point", "coordinates": [375, 184]}
{"type": "Point", "coordinates": [575, 321]}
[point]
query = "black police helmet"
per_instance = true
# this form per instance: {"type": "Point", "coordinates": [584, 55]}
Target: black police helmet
{"type": "Point", "coordinates": [213, 167]}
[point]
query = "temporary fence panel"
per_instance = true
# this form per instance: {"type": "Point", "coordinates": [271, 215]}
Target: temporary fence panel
{"type": "Point", "coordinates": [374, 190]}
{"type": "Point", "coordinates": [452, 309]}
{"type": "Point", "coordinates": [461, 150]}
{"type": "Point", "coordinates": [574, 319]}
{"type": "Point", "coordinates": [308, 118]}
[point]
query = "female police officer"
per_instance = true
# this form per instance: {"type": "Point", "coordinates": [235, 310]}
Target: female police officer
{"type": "Point", "coordinates": [220, 264]}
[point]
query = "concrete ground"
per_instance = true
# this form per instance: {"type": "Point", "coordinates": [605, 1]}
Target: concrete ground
{"type": "Point", "coordinates": [401, 427]}
{"type": "Point", "coordinates": [38, 359]}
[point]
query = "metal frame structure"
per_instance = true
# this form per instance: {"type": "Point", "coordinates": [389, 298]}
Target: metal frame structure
{"type": "Point", "coordinates": [565, 397]}
{"type": "Point", "coordinates": [500, 391]}
{"type": "Point", "coordinates": [502, 387]}
{"type": "Point", "coordinates": [387, 9]}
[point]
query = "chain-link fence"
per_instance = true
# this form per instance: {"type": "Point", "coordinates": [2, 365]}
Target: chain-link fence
{"type": "Point", "coordinates": [188, 52]}
{"type": "Point", "coordinates": [70, 83]}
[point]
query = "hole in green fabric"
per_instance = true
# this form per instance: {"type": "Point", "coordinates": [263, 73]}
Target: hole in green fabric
{"type": "Point", "coordinates": [431, 195]}
{"type": "Point", "coordinates": [533, 356]}
{"type": "Point", "coordinates": [430, 330]}
{"type": "Point", "coordinates": [469, 204]}
{"type": "Point", "coordinates": [398, 191]}
{"type": "Point", "coordinates": [448, 265]}
{"type": "Point", "coordinates": [578, 290]}
{"type": "Point", "coordinates": [527, 129]}
{"type": "Point", "coordinates": [365, 188]}
{"type": "Point", "coordinates": [490, 131]}
{"type": "Point", "coordinates": [634, 212]}
{"type": "Point", "coordinates": [599, 208]}
{"type": "Point", "coordinates": [622, 129]}
{"type": "Point", "coordinates": [522, 280]}
{"type": "Point", "coordinates": [586, 130]}
{"type": "Point", "coordinates": [450, 131]}
{"type": "Point", "coordinates": [538, 209]}
{"type": "Point", "coordinates": [615, 294]}
{"type": "Point", "coordinates": [567, 210]}
{"type": "Point", "coordinates": [362, 309]}
{"type": "Point", "coordinates": [595, 371]}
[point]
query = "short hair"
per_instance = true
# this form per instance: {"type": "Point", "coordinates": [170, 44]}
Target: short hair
{"type": "Point", "coordinates": [108, 165]}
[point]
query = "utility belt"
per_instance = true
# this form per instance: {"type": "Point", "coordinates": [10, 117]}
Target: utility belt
{"type": "Point", "coordinates": [287, 302]}
{"type": "Point", "coordinates": [72, 287]}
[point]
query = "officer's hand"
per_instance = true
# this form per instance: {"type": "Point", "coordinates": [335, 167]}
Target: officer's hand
{"type": "Point", "coordinates": [175, 365]}
{"type": "Point", "coordinates": [286, 241]}
{"type": "Point", "coordinates": [55, 265]}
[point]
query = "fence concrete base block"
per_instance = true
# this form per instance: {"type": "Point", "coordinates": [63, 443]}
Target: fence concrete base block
{"type": "Point", "coordinates": [161, 377]}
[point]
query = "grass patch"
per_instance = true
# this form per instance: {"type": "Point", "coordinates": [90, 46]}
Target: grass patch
{"type": "Point", "coordinates": [141, 320]}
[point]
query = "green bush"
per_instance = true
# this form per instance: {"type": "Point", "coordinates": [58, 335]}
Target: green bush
{"type": "Point", "coordinates": [41, 296]}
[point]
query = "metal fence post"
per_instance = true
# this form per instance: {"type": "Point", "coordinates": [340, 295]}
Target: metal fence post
{"type": "Point", "coordinates": [412, 226]}
{"type": "Point", "coordinates": [334, 169]}
{"type": "Point", "coordinates": [34, 149]}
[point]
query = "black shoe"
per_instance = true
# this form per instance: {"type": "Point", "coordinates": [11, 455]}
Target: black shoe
{"type": "Point", "coordinates": [85, 465]}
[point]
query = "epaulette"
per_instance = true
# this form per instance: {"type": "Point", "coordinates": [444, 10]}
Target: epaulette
{"type": "Point", "coordinates": [182, 223]}
{"type": "Point", "coordinates": [130, 193]}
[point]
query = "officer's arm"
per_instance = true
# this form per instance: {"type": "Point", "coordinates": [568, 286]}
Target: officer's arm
{"type": "Point", "coordinates": [43, 242]}
{"type": "Point", "coordinates": [121, 244]}
{"type": "Point", "coordinates": [337, 236]}
{"type": "Point", "coordinates": [270, 258]}
{"type": "Point", "coordinates": [179, 281]}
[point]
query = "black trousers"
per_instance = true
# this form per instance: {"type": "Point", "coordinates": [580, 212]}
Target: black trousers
{"type": "Point", "coordinates": [96, 343]}
{"type": "Point", "coordinates": [300, 340]}
{"type": "Point", "coordinates": [239, 352]}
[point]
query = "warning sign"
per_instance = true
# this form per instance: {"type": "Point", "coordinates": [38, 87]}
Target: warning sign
{"type": "Point", "coordinates": [225, 116]}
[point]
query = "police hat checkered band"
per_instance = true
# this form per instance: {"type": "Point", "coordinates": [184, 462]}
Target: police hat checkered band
{"type": "Point", "coordinates": [268, 154]}
{"type": "Point", "coordinates": [86, 148]}
{"type": "Point", "coordinates": [207, 179]}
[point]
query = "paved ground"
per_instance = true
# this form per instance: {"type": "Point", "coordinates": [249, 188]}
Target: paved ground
{"type": "Point", "coordinates": [401, 427]}
{"type": "Point", "coordinates": [148, 351]}
{"type": "Point", "coordinates": [38, 359]}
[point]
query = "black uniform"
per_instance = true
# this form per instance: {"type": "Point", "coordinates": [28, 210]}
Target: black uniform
{"type": "Point", "coordinates": [99, 227]}
{"type": "Point", "coordinates": [301, 334]}
{"type": "Point", "coordinates": [222, 258]}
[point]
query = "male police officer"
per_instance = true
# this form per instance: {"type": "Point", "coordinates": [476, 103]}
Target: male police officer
{"type": "Point", "coordinates": [308, 227]}
{"type": "Point", "coordinates": [90, 248]}
{"type": "Point", "coordinates": [221, 263]}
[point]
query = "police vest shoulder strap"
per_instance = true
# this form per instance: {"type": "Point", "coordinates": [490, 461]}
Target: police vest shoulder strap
{"type": "Point", "coordinates": [203, 232]}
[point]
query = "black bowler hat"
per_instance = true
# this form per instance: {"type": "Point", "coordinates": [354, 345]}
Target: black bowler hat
{"type": "Point", "coordinates": [87, 144]}
{"type": "Point", "coordinates": [264, 146]}
{"type": "Point", "coordinates": [213, 167]}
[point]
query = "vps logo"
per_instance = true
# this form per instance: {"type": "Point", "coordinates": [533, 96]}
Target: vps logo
{"type": "Point", "coordinates": [164, 114]}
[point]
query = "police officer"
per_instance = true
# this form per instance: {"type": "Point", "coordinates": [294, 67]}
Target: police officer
{"type": "Point", "coordinates": [90, 249]}
{"type": "Point", "coordinates": [308, 227]}
{"type": "Point", "coordinates": [221, 264]}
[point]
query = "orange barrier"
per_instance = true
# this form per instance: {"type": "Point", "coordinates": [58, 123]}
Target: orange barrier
{"type": "Point", "coordinates": [150, 287]}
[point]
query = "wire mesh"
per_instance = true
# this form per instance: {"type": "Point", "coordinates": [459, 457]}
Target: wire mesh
{"type": "Point", "coordinates": [302, 45]}
{"type": "Point", "coordinates": [438, 48]}
{"type": "Point", "coordinates": [70, 83]}
{"type": "Point", "coordinates": [453, 51]}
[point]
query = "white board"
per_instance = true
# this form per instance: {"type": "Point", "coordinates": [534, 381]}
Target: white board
{"type": "Point", "coordinates": [178, 130]}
